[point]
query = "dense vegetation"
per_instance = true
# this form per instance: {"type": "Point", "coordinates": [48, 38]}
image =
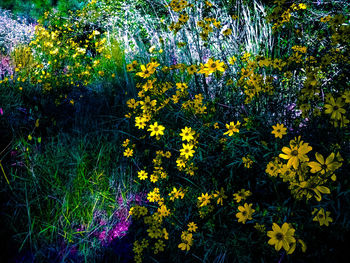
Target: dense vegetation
{"type": "Point", "coordinates": [174, 131]}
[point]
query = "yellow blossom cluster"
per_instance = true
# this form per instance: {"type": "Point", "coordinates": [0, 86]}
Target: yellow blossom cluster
{"type": "Point", "coordinates": [306, 179]}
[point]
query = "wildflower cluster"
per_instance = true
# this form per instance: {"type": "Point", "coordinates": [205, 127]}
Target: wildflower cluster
{"type": "Point", "coordinates": [195, 138]}
{"type": "Point", "coordinates": [226, 127]}
{"type": "Point", "coordinates": [306, 179]}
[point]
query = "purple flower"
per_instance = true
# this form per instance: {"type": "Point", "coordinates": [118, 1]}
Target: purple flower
{"type": "Point", "coordinates": [120, 200]}
{"type": "Point", "coordinates": [14, 32]}
{"type": "Point", "coordinates": [119, 230]}
{"type": "Point", "coordinates": [6, 68]}
{"type": "Point", "coordinates": [102, 236]}
{"type": "Point", "coordinates": [173, 59]}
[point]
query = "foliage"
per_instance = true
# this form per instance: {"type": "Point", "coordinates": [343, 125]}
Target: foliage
{"type": "Point", "coordinates": [35, 9]}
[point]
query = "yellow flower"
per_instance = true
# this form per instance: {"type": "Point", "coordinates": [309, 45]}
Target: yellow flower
{"type": "Point", "coordinates": [128, 152]}
{"type": "Point", "coordinates": [325, 19]}
{"type": "Point", "coordinates": [187, 134]}
{"type": "Point", "coordinates": [204, 70]}
{"type": "Point", "coordinates": [241, 195]}
{"type": "Point", "coordinates": [302, 6]}
{"type": "Point", "coordinates": [232, 127]}
{"type": "Point", "coordinates": [227, 32]}
{"type": "Point", "coordinates": [248, 162]}
{"type": "Point", "coordinates": [346, 96]}
{"type": "Point", "coordinates": [148, 85]}
{"type": "Point", "coordinates": [322, 165]}
{"type": "Point", "coordinates": [322, 217]}
{"type": "Point", "coordinates": [126, 143]}
{"type": "Point", "coordinates": [335, 108]}
{"type": "Point", "coordinates": [208, 3]}
{"type": "Point", "coordinates": [176, 194]}
{"type": "Point", "coordinates": [140, 122]}
{"type": "Point", "coordinates": [295, 154]}
{"type": "Point", "coordinates": [181, 86]}
{"type": "Point", "coordinates": [192, 69]}
{"type": "Point", "coordinates": [183, 18]}
{"type": "Point", "coordinates": [156, 129]}
{"type": "Point", "coordinates": [204, 199]}
{"type": "Point", "coordinates": [232, 60]}
{"type": "Point", "coordinates": [138, 211]}
{"type": "Point", "coordinates": [163, 211]}
{"type": "Point", "coordinates": [279, 130]}
{"type": "Point", "coordinates": [153, 196]}
{"type": "Point", "coordinates": [154, 232]}
{"type": "Point", "coordinates": [220, 195]}
{"type": "Point", "coordinates": [132, 103]}
{"type": "Point", "coordinates": [245, 213]}
{"type": "Point", "coordinates": [180, 163]}
{"type": "Point", "coordinates": [303, 245]}
{"type": "Point", "coordinates": [187, 150]}
{"type": "Point", "coordinates": [260, 228]}
{"type": "Point", "coordinates": [153, 65]}
{"type": "Point", "coordinates": [165, 233]}
{"type": "Point", "coordinates": [154, 178]}
{"type": "Point", "coordinates": [281, 237]}
{"type": "Point", "coordinates": [272, 169]}
{"type": "Point", "coordinates": [215, 65]}
{"type": "Point", "coordinates": [147, 104]}
{"type": "Point", "coordinates": [187, 241]}
{"type": "Point", "coordinates": [320, 189]}
{"type": "Point", "coordinates": [192, 227]}
{"type": "Point", "coordinates": [146, 71]}
{"type": "Point", "coordinates": [184, 246]}
{"type": "Point", "coordinates": [142, 175]}
{"type": "Point", "coordinates": [130, 67]}
{"type": "Point", "coordinates": [159, 246]}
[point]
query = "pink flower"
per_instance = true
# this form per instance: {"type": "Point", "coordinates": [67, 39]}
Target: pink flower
{"type": "Point", "coordinates": [102, 236]}
{"type": "Point", "coordinates": [119, 230]}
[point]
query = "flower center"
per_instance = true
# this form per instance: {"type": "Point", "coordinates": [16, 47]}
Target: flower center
{"type": "Point", "coordinates": [279, 236]}
{"type": "Point", "coordinates": [294, 153]}
{"type": "Point", "coordinates": [335, 108]}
